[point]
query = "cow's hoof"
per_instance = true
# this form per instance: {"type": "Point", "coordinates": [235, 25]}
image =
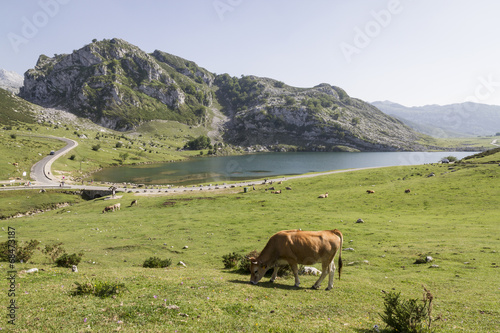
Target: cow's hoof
{"type": "Point", "coordinates": [328, 288]}
{"type": "Point", "coordinates": [315, 287]}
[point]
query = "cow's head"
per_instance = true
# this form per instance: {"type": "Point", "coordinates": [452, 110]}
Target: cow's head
{"type": "Point", "coordinates": [257, 269]}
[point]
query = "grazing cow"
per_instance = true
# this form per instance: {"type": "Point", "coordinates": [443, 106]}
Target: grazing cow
{"type": "Point", "coordinates": [288, 188]}
{"type": "Point", "coordinates": [277, 192]}
{"type": "Point", "coordinates": [134, 202]}
{"type": "Point", "coordinates": [407, 190]}
{"type": "Point", "coordinates": [370, 191]}
{"type": "Point", "coordinates": [109, 208]}
{"type": "Point", "coordinates": [299, 247]}
{"type": "Point", "coordinates": [116, 206]}
{"type": "Point", "coordinates": [323, 195]}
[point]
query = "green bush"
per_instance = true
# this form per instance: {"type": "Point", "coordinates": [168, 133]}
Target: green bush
{"type": "Point", "coordinates": [68, 260]}
{"type": "Point", "coordinates": [200, 142]}
{"type": "Point", "coordinates": [410, 315]}
{"type": "Point", "coordinates": [53, 251]}
{"type": "Point", "coordinates": [99, 288]}
{"type": "Point", "coordinates": [17, 252]}
{"type": "Point", "coordinates": [155, 262]}
{"type": "Point", "coordinates": [96, 147]}
{"type": "Point", "coordinates": [231, 260]}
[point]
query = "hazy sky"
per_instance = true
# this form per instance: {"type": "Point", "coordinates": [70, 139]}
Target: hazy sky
{"type": "Point", "coordinates": [413, 52]}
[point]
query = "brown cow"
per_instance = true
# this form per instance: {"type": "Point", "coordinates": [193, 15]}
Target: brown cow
{"type": "Point", "coordinates": [370, 191]}
{"type": "Point", "coordinates": [407, 190]}
{"type": "Point", "coordinates": [299, 247]}
{"type": "Point", "coordinates": [323, 195]}
{"type": "Point", "coordinates": [134, 202]}
{"type": "Point", "coordinates": [109, 208]}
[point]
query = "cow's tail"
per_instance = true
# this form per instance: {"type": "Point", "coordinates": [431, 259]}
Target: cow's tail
{"type": "Point", "coordinates": [338, 233]}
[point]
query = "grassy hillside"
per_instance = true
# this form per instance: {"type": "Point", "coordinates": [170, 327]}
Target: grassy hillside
{"type": "Point", "coordinates": [14, 109]}
{"type": "Point", "coordinates": [451, 216]}
{"type": "Point", "coordinates": [157, 141]}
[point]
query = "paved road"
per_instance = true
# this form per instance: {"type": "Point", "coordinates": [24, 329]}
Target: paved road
{"type": "Point", "coordinates": [40, 171]}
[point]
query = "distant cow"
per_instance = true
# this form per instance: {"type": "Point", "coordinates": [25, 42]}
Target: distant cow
{"type": "Point", "coordinates": [299, 247]}
{"type": "Point", "coordinates": [134, 202]}
{"type": "Point", "coordinates": [323, 195]}
{"type": "Point", "coordinates": [407, 190]}
{"type": "Point", "coordinates": [117, 206]}
{"type": "Point", "coordinates": [109, 208]}
{"type": "Point", "coordinates": [370, 191]}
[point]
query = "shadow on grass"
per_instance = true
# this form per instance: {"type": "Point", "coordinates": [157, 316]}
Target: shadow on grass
{"type": "Point", "coordinates": [270, 285]}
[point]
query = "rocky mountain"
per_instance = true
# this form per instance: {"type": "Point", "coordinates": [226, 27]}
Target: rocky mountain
{"type": "Point", "coordinates": [454, 120]}
{"type": "Point", "coordinates": [10, 81]}
{"type": "Point", "coordinates": [117, 85]}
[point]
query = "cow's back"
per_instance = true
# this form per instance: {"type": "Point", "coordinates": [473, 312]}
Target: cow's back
{"type": "Point", "coordinates": [303, 247]}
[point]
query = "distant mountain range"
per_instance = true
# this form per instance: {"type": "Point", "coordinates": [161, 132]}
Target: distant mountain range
{"type": "Point", "coordinates": [454, 120]}
{"type": "Point", "coordinates": [119, 86]}
{"type": "Point", "coordinates": [10, 81]}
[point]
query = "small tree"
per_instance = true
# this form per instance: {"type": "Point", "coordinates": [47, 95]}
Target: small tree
{"type": "Point", "coordinates": [96, 147]}
{"type": "Point", "coordinates": [407, 315]}
{"type": "Point", "coordinates": [53, 251]}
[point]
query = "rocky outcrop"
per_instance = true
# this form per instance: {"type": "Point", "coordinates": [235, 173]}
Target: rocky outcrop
{"type": "Point", "coordinates": [111, 82]}
{"type": "Point", "coordinates": [323, 118]}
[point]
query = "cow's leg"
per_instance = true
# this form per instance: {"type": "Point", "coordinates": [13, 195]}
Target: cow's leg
{"type": "Point", "coordinates": [295, 270]}
{"type": "Point", "coordinates": [326, 269]}
{"type": "Point", "coordinates": [275, 273]}
{"type": "Point", "coordinates": [331, 275]}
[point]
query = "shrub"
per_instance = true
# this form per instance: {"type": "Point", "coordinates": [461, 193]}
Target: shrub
{"type": "Point", "coordinates": [68, 260]}
{"type": "Point", "coordinates": [244, 264]}
{"type": "Point", "coordinates": [72, 157]}
{"type": "Point", "coordinates": [99, 288]}
{"type": "Point", "coordinates": [13, 136]}
{"type": "Point", "coordinates": [15, 252]}
{"type": "Point", "coordinates": [53, 251]}
{"type": "Point", "coordinates": [96, 147]}
{"type": "Point", "coordinates": [407, 315]}
{"type": "Point", "coordinates": [155, 262]}
{"type": "Point", "coordinates": [231, 260]}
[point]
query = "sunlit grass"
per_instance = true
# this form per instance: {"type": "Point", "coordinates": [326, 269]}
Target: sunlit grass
{"type": "Point", "coordinates": [451, 216]}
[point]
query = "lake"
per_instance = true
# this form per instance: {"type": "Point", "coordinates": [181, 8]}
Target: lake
{"type": "Point", "coordinates": [259, 166]}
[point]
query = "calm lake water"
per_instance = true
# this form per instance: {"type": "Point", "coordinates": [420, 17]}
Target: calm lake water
{"type": "Point", "coordinates": [259, 166]}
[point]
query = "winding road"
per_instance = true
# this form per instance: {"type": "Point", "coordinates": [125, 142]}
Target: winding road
{"type": "Point", "coordinates": [40, 171]}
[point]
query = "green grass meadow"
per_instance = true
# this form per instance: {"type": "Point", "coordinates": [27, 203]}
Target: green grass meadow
{"type": "Point", "coordinates": [452, 216]}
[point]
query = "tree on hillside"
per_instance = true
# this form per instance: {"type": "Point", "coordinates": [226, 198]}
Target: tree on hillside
{"type": "Point", "coordinates": [201, 142]}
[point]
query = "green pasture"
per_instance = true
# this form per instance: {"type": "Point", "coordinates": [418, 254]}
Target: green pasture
{"type": "Point", "coordinates": [451, 214]}
{"type": "Point", "coordinates": [156, 141]}
{"type": "Point", "coordinates": [24, 151]}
